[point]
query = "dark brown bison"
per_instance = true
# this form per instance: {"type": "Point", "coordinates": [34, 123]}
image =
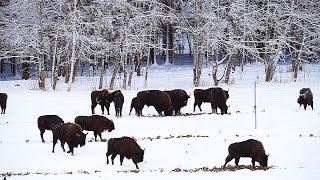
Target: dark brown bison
{"type": "Point", "coordinates": [158, 99]}
{"type": "Point", "coordinates": [135, 105]}
{"type": "Point", "coordinates": [69, 133]}
{"type": "Point", "coordinates": [117, 98]}
{"type": "Point", "coordinates": [99, 97]}
{"type": "Point", "coordinates": [126, 147]}
{"type": "Point", "coordinates": [305, 98]}
{"type": "Point", "coordinates": [47, 122]}
{"type": "Point", "coordinates": [179, 98]}
{"type": "Point", "coordinates": [216, 96]}
{"type": "Point", "coordinates": [249, 148]}
{"type": "Point", "coordinates": [95, 123]}
{"type": "Point", "coordinates": [3, 102]}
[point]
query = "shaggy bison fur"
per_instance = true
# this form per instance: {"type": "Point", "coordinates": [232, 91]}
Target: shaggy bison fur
{"type": "Point", "coordinates": [99, 97]}
{"type": "Point", "coordinates": [216, 96]}
{"type": "Point", "coordinates": [47, 122]}
{"type": "Point", "coordinates": [305, 98]}
{"type": "Point", "coordinates": [3, 102]}
{"type": "Point", "coordinates": [158, 99]}
{"type": "Point", "coordinates": [95, 123]}
{"type": "Point", "coordinates": [69, 133]}
{"type": "Point", "coordinates": [249, 148]}
{"type": "Point", "coordinates": [126, 147]}
{"type": "Point", "coordinates": [179, 98]}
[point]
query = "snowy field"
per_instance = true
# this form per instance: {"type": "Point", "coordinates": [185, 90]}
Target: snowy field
{"type": "Point", "coordinates": [289, 134]}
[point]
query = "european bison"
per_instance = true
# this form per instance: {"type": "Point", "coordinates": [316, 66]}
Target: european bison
{"type": "Point", "coordinates": [305, 98]}
{"type": "Point", "coordinates": [249, 148]}
{"type": "Point", "coordinates": [125, 147]}
{"type": "Point", "coordinates": [95, 123]}
{"type": "Point", "coordinates": [118, 99]}
{"type": "Point", "coordinates": [3, 102]}
{"type": "Point", "coordinates": [158, 99]}
{"type": "Point", "coordinates": [99, 97]}
{"type": "Point", "coordinates": [47, 122]}
{"type": "Point", "coordinates": [216, 96]}
{"type": "Point", "coordinates": [179, 98]}
{"type": "Point", "coordinates": [69, 133]}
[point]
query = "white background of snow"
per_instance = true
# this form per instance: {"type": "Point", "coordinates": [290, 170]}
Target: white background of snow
{"type": "Point", "coordinates": [280, 124]}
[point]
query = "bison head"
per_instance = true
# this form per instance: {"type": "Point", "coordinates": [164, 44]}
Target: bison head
{"type": "Point", "coordinates": [81, 139]}
{"type": "Point", "coordinates": [102, 96]}
{"type": "Point", "coordinates": [263, 161]}
{"type": "Point", "coordinates": [301, 99]}
{"type": "Point", "coordinates": [110, 126]}
{"type": "Point", "coordinates": [138, 156]}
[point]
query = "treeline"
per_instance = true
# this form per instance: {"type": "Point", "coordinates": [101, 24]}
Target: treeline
{"type": "Point", "coordinates": [61, 35]}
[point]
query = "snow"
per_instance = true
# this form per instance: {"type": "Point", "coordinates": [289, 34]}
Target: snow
{"type": "Point", "coordinates": [289, 134]}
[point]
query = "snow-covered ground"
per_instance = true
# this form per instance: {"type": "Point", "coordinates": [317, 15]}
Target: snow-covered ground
{"type": "Point", "coordinates": [289, 134]}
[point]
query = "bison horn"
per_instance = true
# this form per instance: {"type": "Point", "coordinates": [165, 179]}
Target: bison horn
{"type": "Point", "coordinates": [268, 155]}
{"type": "Point", "coordinates": [86, 134]}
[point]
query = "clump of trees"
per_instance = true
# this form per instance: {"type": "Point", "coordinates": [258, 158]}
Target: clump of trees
{"type": "Point", "coordinates": [59, 36]}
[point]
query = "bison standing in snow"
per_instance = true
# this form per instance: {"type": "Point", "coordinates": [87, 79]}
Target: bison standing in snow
{"type": "Point", "coordinates": [135, 105]}
{"type": "Point", "coordinates": [179, 98]}
{"type": "Point", "coordinates": [47, 122]}
{"type": "Point", "coordinates": [69, 133]}
{"type": "Point", "coordinates": [158, 99]}
{"type": "Point", "coordinates": [118, 100]}
{"type": "Point", "coordinates": [95, 123]}
{"type": "Point", "coordinates": [99, 97]}
{"type": "Point", "coordinates": [305, 98]}
{"type": "Point", "coordinates": [3, 102]}
{"type": "Point", "coordinates": [249, 148]}
{"type": "Point", "coordinates": [216, 96]}
{"type": "Point", "coordinates": [126, 147]}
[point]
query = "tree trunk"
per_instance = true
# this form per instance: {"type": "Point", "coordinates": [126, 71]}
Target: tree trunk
{"type": "Point", "coordinates": [138, 63]}
{"type": "Point", "coordinates": [102, 72]}
{"type": "Point", "coordinates": [114, 74]}
{"type": "Point", "coordinates": [170, 43]}
{"type": "Point", "coordinates": [271, 67]}
{"type": "Point", "coordinates": [131, 71]}
{"type": "Point", "coordinates": [229, 67]}
{"type": "Point", "coordinates": [54, 63]}
{"type": "Point", "coordinates": [215, 69]}
{"type": "Point", "coordinates": [125, 71]}
{"type": "Point", "coordinates": [190, 45]}
{"type": "Point", "coordinates": [197, 68]}
{"type": "Point", "coordinates": [25, 71]}
{"type": "Point", "coordinates": [167, 45]}
{"type": "Point", "coordinates": [146, 73]}
{"type": "Point", "coordinates": [73, 50]}
{"type": "Point", "coordinates": [1, 65]}
{"type": "Point", "coordinates": [296, 64]}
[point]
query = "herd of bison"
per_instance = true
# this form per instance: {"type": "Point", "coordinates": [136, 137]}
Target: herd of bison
{"type": "Point", "coordinates": [168, 102]}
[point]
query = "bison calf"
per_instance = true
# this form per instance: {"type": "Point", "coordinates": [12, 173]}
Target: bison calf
{"type": "Point", "coordinates": [249, 148]}
{"type": "Point", "coordinates": [118, 99]}
{"type": "Point", "coordinates": [126, 147]}
{"type": "Point", "coordinates": [47, 122]}
{"type": "Point", "coordinates": [3, 102]}
{"type": "Point", "coordinates": [95, 123]}
{"type": "Point", "coordinates": [305, 98]}
{"type": "Point", "coordinates": [69, 133]}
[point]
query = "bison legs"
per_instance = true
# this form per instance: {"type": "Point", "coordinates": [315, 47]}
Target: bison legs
{"type": "Point", "coordinates": [107, 155]}
{"type": "Point", "coordinates": [228, 159]}
{"type": "Point", "coordinates": [107, 105]}
{"type": "Point", "coordinates": [135, 163]}
{"type": "Point", "coordinates": [236, 160]}
{"type": "Point", "coordinates": [62, 146]}
{"type": "Point", "coordinates": [121, 159]}
{"type": "Point", "coordinates": [95, 135]}
{"type": "Point", "coordinates": [199, 105]}
{"type": "Point", "coordinates": [41, 134]}
{"type": "Point", "coordinates": [312, 105]}
{"type": "Point", "coordinates": [253, 162]}
{"type": "Point", "coordinates": [305, 106]}
{"type": "Point", "coordinates": [99, 133]}
{"type": "Point", "coordinates": [70, 149]}
{"type": "Point", "coordinates": [93, 105]}
{"type": "Point", "coordinates": [112, 158]}
{"type": "Point", "coordinates": [54, 143]}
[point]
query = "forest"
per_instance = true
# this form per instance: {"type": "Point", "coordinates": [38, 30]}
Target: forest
{"type": "Point", "coordinates": [59, 39]}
